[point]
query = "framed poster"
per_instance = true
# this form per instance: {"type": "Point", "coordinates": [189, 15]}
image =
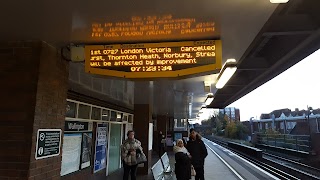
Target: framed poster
{"type": "Point", "coordinates": [177, 136]}
{"type": "Point", "coordinates": [71, 151]}
{"type": "Point", "coordinates": [86, 150]}
{"type": "Point", "coordinates": [100, 147]}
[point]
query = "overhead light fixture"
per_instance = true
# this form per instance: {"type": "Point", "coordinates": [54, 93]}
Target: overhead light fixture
{"type": "Point", "coordinates": [209, 99]}
{"type": "Point", "coordinates": [279, 1]}
{"type": "Point", "coordinates": [202, 109]}
{"type": "Point", "coordinates": [228, 69]}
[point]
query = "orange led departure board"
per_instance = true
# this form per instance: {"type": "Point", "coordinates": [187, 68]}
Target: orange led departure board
{"type": "Point", "coordinates": [154, 60]}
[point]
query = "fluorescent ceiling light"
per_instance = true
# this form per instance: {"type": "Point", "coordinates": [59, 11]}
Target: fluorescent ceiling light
{"type": "Point", "coordinates": [209, 100]}
{"type": "Point", "coordinates": [228, 69]}
{"type": "Point", "coordinates": [226, 75]}
{"type": "Point", "coordinates": [202, 109]}
{"type": "Point", "coordinates": [279, 1]}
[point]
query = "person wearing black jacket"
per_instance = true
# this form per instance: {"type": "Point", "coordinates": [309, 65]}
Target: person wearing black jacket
{"type": "Point", "coordinates": [198, 152]}
{"type": "Point", "coordinates": [182, 165]}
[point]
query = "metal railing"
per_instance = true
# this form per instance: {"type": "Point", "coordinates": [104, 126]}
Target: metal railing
{"type": "Point", "coordinates": [294, 142]}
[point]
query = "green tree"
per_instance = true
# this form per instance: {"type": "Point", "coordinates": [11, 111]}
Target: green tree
{"type": "Point", "coordinates": [218, 123]}
{"type": "Point", "coordinates": [231, 130]}
{"type": "Point", "coordinates": [242, 130]}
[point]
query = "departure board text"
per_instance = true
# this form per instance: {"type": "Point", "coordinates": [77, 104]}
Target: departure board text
{"type": "Point", "coordinates": [153, 57]}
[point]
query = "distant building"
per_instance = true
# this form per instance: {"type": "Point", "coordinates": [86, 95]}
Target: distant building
{"type": "Point", "coordinates": [297, 122]}
{"type": "Point", "coordinates": [232, 112]}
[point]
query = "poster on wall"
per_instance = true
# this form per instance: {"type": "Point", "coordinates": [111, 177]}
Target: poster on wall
{"type": "Point", "coordinates": [71, 151]}
{"type": "Point", "coordinates": [86, 150]}
{"type": "Point", "coordinates": [177, 136]}
{"type": "Point", "coordinates": [169, 141]}
{"type": "Point", "coordinates": [100, 147]}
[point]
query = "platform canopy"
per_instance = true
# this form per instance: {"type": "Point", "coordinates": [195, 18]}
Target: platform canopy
{"type": "Point", "coordinates": [264, 38]}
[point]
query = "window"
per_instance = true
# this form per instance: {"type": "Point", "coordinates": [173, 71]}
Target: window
{"type": "Point", "coordinates": [71, 109]}
{"type": "Point", "coordinates": [84, 111]}
{"type": "Point", "coordinates": [96, 113]}
{"type": "Point", "coordinates": [113, 116]}
{"type": "Point", "coordinates": [130, 120]}
{"type": "Point", "coordinates": [119, 116]}
{"type": "Point", "coordinates": [105, 115]}
{"type": "Point", "coordinates": [125, 118]}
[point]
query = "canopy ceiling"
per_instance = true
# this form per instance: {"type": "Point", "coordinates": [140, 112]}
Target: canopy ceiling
{"type": "Point", "coordinates": [264, 38]}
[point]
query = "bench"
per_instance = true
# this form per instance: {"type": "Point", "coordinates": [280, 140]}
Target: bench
{"type": "Point", "coordinates": [157, 171]}
{"type": "Point", "coordinates": [166, 163]}
{"type": "Point", "coordinates": [161, 170]}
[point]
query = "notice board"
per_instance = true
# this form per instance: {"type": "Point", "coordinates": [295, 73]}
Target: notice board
{"type": "Point", "coordinates": [154, 60]}
{"type": "Point", "coordinates": [48, 143]}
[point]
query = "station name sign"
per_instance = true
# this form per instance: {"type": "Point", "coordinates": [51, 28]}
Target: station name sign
{"type": "Point", "coordinates": [154, 60]}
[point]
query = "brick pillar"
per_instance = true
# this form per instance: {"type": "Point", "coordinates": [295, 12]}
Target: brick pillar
{"type": "Point", "coordinates": [142, 117]}
{"type": "Point", "coordinates": [34, 90]}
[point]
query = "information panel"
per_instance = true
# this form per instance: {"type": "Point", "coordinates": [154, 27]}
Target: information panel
{"type": "Point", "coordinates": [48, 143]}
{"type": "Point", "coordinates": [101, 148]}
{"type": "Point", "coordinates": [71, 152]}
{"type": "Point", "coordinates": [154, 60]}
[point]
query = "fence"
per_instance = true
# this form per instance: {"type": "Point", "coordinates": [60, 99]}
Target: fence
{"type": "Point", "coordinates": [294, 142]}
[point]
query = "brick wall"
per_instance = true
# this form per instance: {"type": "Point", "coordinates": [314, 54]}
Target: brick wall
{"type": "Point", "coordinates": [19, 64]}
{"type": "Point", "coordinates": [50, 109]}
{"type": "Point", "coordinates": [33, 94]}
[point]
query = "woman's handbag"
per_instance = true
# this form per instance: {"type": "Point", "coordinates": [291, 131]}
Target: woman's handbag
{"type": "Point", "coordinates": [193, 172]}
{"type": "Point", "coordinates": [141, 158]}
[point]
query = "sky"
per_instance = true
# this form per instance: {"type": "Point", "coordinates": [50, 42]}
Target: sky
{"type": "Point", "coordinates": [297, 87]}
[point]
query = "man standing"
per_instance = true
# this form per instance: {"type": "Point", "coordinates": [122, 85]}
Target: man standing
{"type": "Point", "coordinates": [160, 143]}
{"type": "Point", "coordinates": [198, 152]}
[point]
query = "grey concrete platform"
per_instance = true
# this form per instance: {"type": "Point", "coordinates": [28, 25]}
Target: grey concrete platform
{"type": "Point", "coordinates": [214, 169]}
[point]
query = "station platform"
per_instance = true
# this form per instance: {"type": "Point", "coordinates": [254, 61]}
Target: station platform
{"type": "Point", "coordinates": [214, 169]}
{"type": "Point", "coordinates": [219, 164]}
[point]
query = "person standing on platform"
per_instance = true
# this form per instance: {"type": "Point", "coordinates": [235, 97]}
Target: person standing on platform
{"type": "Point", "coordinates": [198, 152]}
{"type": "Point", "coordinates": [129, 150]}
{"type": "Point", "coordinates": [161, 143]}
{"type": "Point", "coordinates": [182, 158]}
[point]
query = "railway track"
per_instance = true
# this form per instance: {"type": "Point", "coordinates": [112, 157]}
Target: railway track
{"type": "Point", "coordinates": [278, 166]}
{"type": "Point", "coordinates": [294, 167]}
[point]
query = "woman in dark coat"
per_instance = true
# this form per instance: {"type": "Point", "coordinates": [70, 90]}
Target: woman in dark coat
{"type": "Point", "coordinates": [198, 151]}
{"type": "Point", "coordinates": [183, 164]}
